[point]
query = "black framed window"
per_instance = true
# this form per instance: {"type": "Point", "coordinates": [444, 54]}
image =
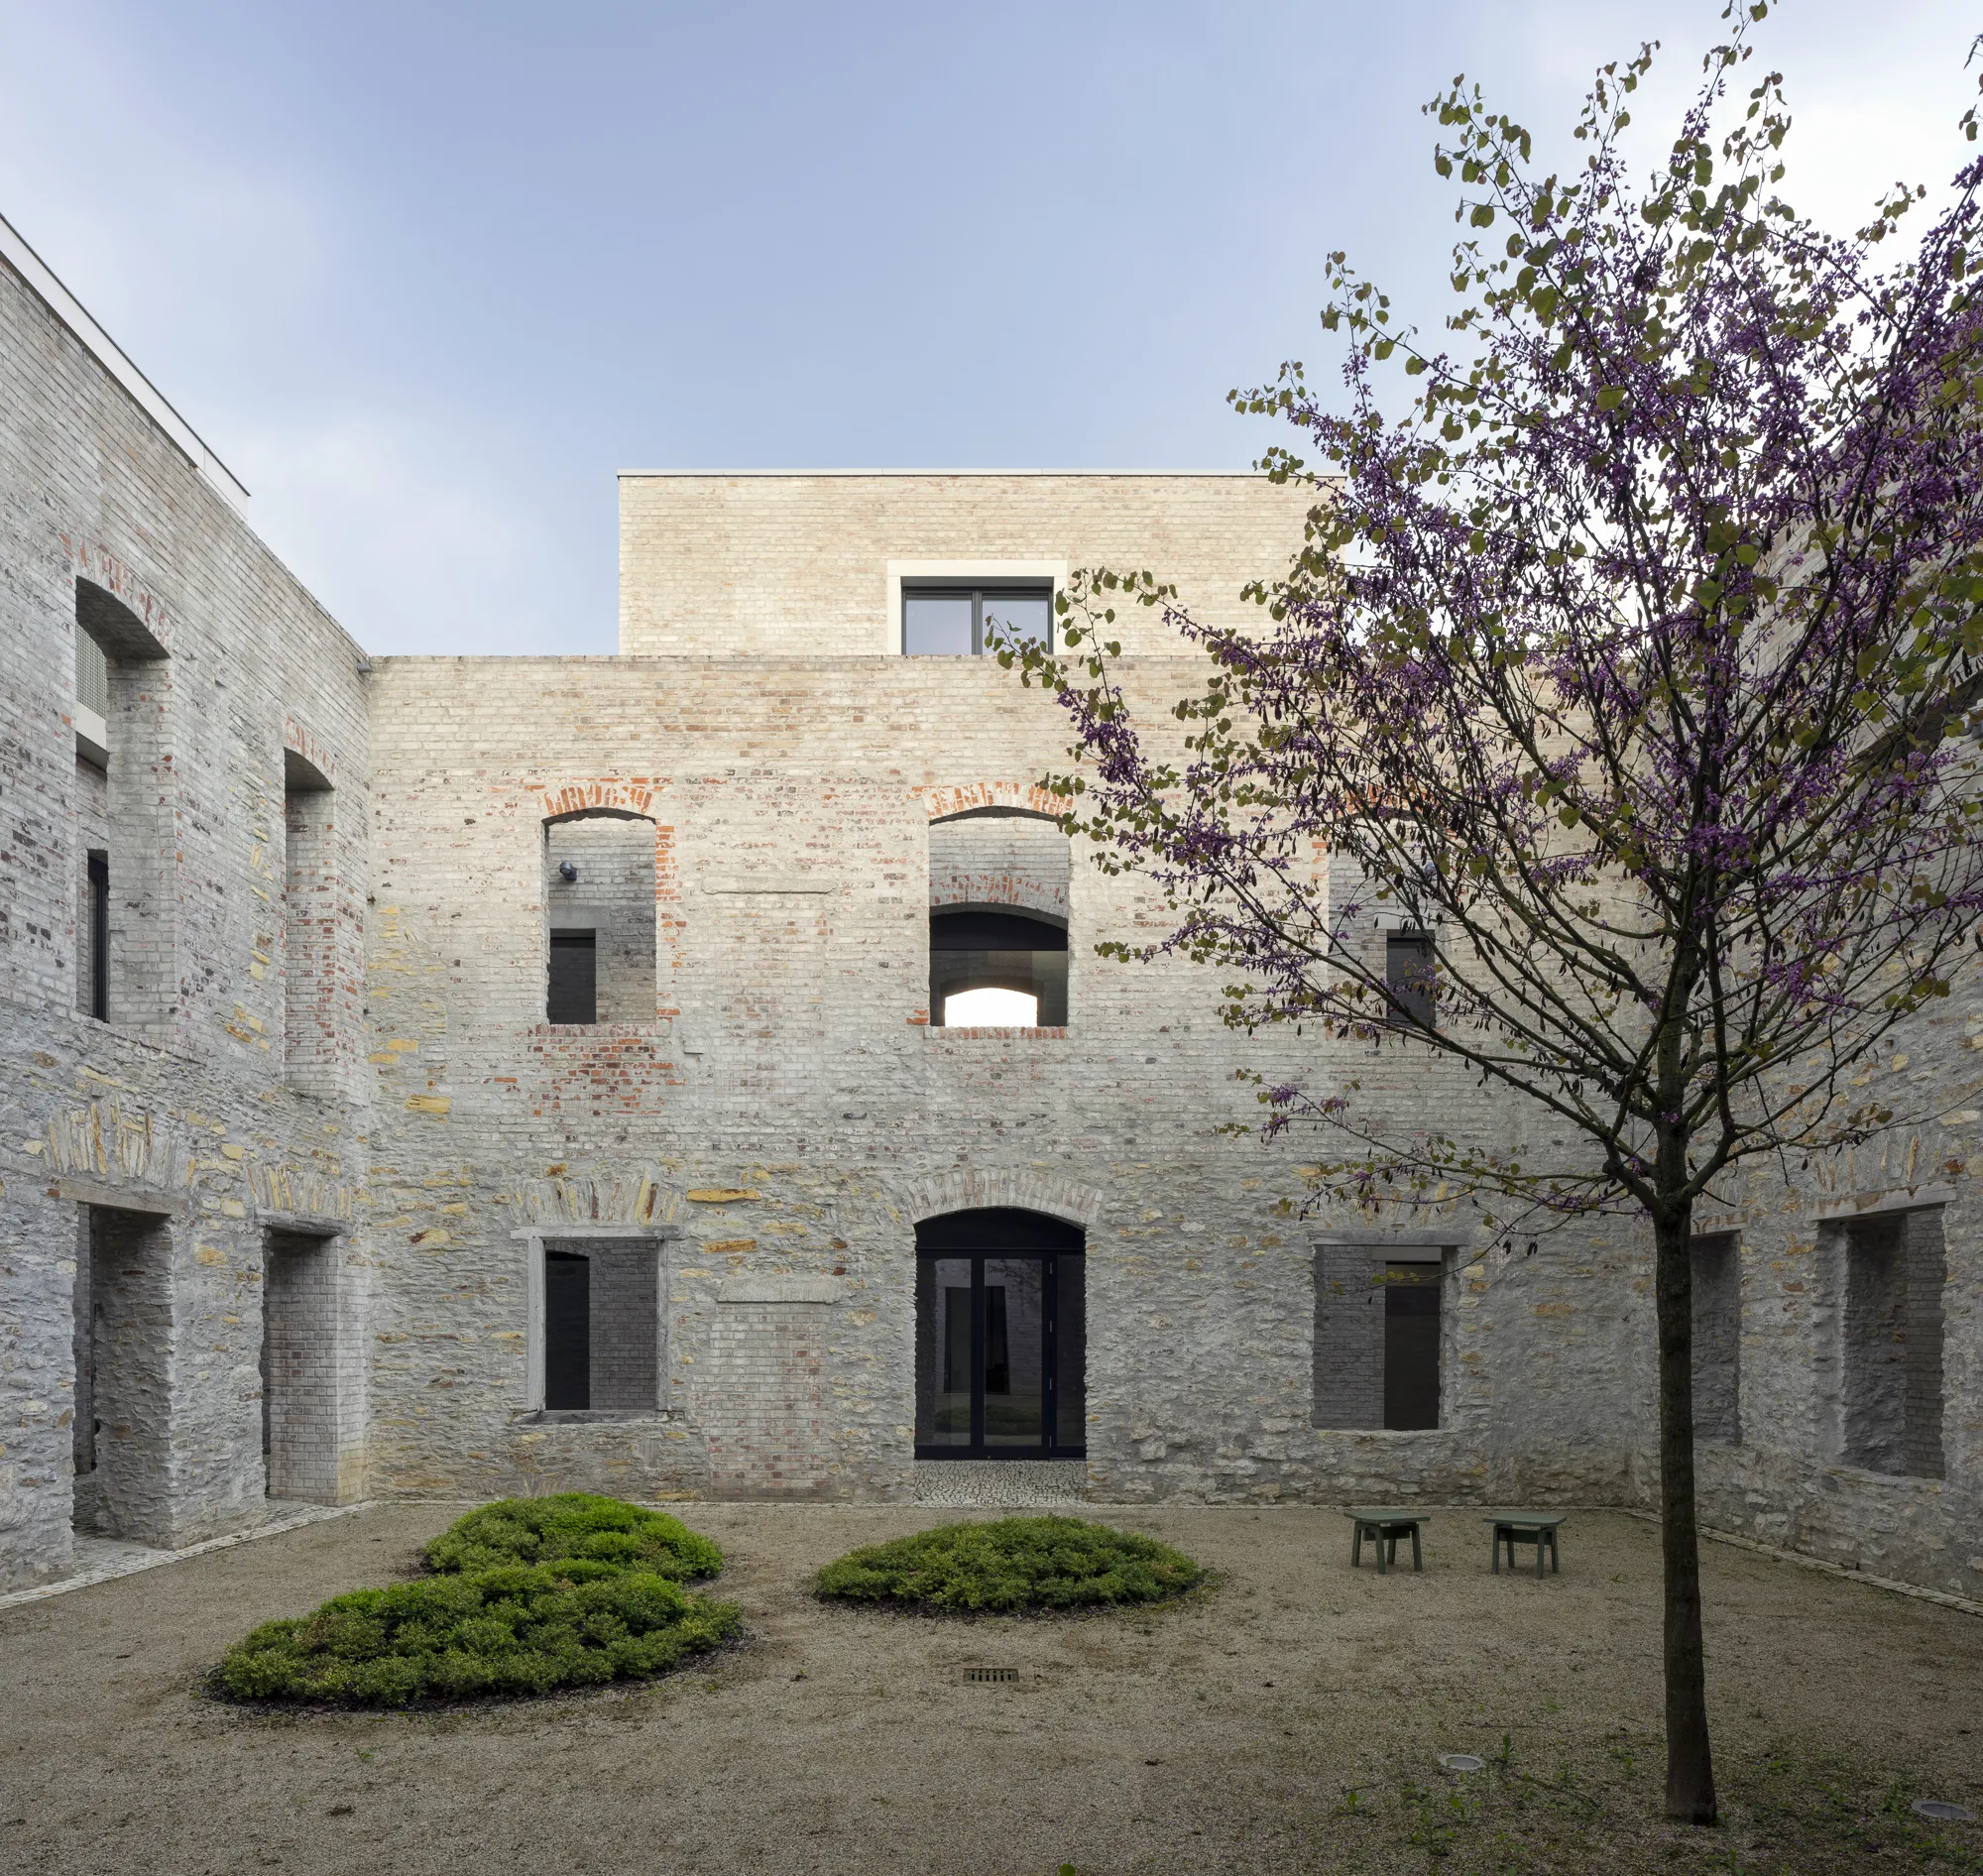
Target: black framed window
{"type": "Point", "coordinates": [1411, 1345]}
{"type": "Point", "coordinates": [1411, 980]}
{"type": "Point", "coordinates": [951, 620]}
{"type": "Point", "coordinates": [1001, 1344]}
{"type": "Point", "coordinates": [1012, 953]}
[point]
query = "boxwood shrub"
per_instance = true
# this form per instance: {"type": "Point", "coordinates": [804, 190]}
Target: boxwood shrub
{"type": "Point", "coordinates": [574, 1524]}
{"type": "Point", "coordinates": [518, 1629]}
{"type": "Point", "coordinates": [1011, 1564]}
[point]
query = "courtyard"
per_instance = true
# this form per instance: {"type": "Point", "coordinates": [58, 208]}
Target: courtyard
{"type": "Point", "coordinates": [1290, 1717]}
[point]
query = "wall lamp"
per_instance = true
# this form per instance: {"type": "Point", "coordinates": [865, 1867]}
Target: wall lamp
{"type": "Point", "coordinates": [567, 871]}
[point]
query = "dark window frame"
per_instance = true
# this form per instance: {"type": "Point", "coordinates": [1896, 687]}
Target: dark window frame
{"type": "Point", "coordinates": [978, 592]}
{"type": "Point", "coordinates": [1411, 1004]}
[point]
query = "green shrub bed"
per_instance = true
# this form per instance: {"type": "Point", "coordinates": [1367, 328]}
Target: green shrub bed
{"type": "Point", "coordinates": [530, 1595]}
{"type": "Point", "coordinates": [575, 1524]}
{"type": "Point", "coordinates": [1013, 1564]}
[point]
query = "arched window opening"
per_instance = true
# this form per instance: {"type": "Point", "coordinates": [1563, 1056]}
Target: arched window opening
{"type": "Point", "coordinates": [599, 918]}
{"type": "Point", "coordinates": [999, 920]}
{"type": "Point", "coordinates": [1001, 1336]}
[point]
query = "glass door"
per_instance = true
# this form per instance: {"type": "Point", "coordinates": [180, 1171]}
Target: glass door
{"type": "Point", "coordinates": [999, 1357]}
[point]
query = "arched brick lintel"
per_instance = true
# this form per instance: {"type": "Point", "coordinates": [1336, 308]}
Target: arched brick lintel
{"type": "Point", "coordinates": [966, 797]}
{"type": "Point", "coordinates": [92, 561]}
{"type": "Point", "coordinates": [594, 794]}
{"type": "Point", "coordinates": [981, 1190]}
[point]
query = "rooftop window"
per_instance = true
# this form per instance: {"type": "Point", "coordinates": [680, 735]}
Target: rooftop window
{"type": "Point", "coordinates": [954, 620]}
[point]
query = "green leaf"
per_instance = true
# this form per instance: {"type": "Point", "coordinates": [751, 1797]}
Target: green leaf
{"type": "Point", "coordinates": [1610, 398]}
{"type": "Point", "coordinates": [1482, 216]}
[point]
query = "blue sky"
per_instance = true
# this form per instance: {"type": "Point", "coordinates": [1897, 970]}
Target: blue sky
{"type": "Point", "coordinates": [426, 277]}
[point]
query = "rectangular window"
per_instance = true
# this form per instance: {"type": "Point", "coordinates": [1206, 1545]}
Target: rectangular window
{"type": "Point", "coordinates": [1378, 1338]}
{"type": "Point", "coordinates": [574, 977]}
{"type": "Point", "coordinates": [602, 1325]}
{"type": "Point", "coordinates": [96, 939]}
{"type": "Point", "coordinates": [1717, 1338]}
{"type": "Point", "coordinates": [1409, 979]}
{"type": "Point", "coordinates": [1895, 1272]}
{"type": "Point", "coordinates": [955, 620]}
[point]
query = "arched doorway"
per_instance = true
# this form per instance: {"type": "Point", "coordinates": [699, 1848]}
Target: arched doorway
{"type": "Point", "coordinates": [1002, 1342]}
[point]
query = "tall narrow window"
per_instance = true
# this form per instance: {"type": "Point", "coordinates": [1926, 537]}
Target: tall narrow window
{"type": "Point", "coordinates": [567, 1330]}
{"type": "Point", "coordinates": [311, 986]}
{"type": "Point", "coordinates": [1717, 1338]}
{"type": "Point", "coordinates": [1409, 979]}
{"type": "Point", "coordinates": [96, 936]}
{"type": "Point", "coordinates": [957, 619]}
{"type": "Point", "coordinates": [1411, 1345]}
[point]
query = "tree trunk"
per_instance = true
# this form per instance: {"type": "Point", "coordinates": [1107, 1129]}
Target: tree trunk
{"type": "Point", "coordinates": [1690, 1762]}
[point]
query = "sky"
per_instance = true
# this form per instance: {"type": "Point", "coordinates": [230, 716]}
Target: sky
{"type": "Point", "coordinates": [426, 277]}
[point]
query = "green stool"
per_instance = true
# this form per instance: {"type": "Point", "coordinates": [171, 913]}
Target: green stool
{"type": "Point", "coordinates": [1526, 1527]}
{"type": "Point", "coordinates": [1383, 1529]}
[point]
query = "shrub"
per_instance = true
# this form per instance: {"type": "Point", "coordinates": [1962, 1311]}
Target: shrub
{"type": "Point", "coordinates": [1012, 1563]}
{"type": "Point", "coordinates": [578, 1525]}
{"type": "Point", "coordinates": [517, 1630]}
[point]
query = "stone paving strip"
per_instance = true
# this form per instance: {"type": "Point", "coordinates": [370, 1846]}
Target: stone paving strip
{"type": "Point", "coordinates": [126, 1559]}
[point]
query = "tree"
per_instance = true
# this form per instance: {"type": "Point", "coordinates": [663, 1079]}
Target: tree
{"type": "Point", "coordinates": [1631, 664]}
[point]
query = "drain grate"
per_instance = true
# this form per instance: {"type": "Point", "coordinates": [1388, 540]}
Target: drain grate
{"type": "Point", "coordinates": [990, 1674]}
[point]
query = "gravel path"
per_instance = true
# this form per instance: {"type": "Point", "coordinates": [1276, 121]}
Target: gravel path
{"type": "Point", "coordinates": [1224, 1735]}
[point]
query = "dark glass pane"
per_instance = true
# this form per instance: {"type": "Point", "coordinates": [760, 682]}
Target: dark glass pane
{"type": "Point", "coordinates": [1026, 616]}
{"type": "Point", "coordinates": [99, 936]}
{"type": "Point", "coordinates": [1040, 975]}
{"type": "Point", "coordinates": [1071, 1354]}
{"type": "Point", "coordinates": [936, 625]}
{"type": "Point", "coordinates": [1408, 975]}
{"type": "Point", "coordinates": [567, 1330]}
{"type": "Point", "coordinates": [1014, 1351]}
{"type": "Point", "coordinates": [993, 931]}
{"type": "Point", "coordinates": [1411, 1345]}
{"type": "Point", "coordinates": [574, 977]}
{"type": "Point", "coordinates": [943, 1352]}
{"type": "Point", "coordinates": [1050, 987]}
{"type": "Point", "coordinates": [997, 1228]}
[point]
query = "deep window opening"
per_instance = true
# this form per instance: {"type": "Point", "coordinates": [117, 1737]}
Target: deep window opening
{"type": "Point", "coordinates": [599, 919]}
{"type": "Point", "coordinates": [601, 1326]}
{"type": "Point", "coordinates": [1002, 1342]}
{"type": "Point", "coordinates": [1717, 1338]}
{"type": "Point", "coordinates": [300, 1379]}
{"type": "Point", "coordinates": [954, 620]}
{"type": "Point", "coordinates": [1379, 1334]}
{"type": "Point", "coordinates": [996, 968]}
{"type": "Point", "coordinates": [121, 1434]}
{"type": "Point", "coordinates": [1895, 1274]}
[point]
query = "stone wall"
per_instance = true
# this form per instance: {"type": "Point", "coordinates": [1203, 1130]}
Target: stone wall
{"type": "Point", "coordinates": [180, 1110]}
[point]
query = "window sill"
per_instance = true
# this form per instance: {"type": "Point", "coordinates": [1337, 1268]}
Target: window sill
{"type": "Point", "coordinates": [590, 1417]}
{"type": "Point", "coordinates": [987, 1033]}
{"type": "Point", "coordinates": [604, 1031]}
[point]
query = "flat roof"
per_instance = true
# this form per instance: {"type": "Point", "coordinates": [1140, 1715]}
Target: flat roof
{"type": "Point", "coordinates": [1148, 475]}
{"type": "Point", "coordinates": [118, 363]}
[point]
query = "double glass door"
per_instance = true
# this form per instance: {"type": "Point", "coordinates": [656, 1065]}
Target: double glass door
{"type": "Point", "coordinates": [1000, 1353]}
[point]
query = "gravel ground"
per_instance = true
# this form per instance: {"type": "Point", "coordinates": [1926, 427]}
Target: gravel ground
{"type": "Point", "coordinates": [1289, 1718]}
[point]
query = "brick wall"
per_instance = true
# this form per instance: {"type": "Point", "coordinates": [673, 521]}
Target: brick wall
{"type": "Point", "coordinates": [796, 565]}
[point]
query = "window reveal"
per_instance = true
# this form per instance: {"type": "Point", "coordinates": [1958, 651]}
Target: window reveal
{"type": "Point", "coordinates": [955, 620]}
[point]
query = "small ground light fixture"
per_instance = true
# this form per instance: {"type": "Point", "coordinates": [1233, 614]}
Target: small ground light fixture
{"type": "Point", "coordinates": [1942, 1811]}
{"type": "Point", "coordinates": [1461, 1762]}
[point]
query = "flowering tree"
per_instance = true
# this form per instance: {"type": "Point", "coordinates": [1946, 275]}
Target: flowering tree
{"type": "Point", "coordinates": [1630, 667]}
